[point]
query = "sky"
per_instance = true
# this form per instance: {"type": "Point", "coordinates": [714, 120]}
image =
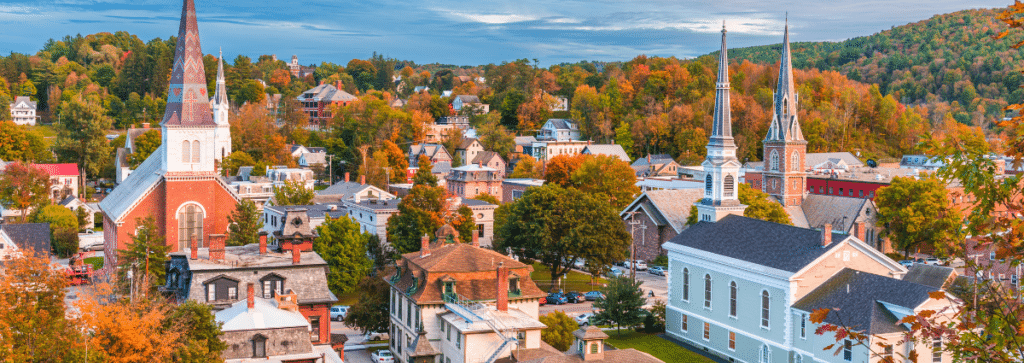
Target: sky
{"type": "Point", "coordinates": [468, 32]}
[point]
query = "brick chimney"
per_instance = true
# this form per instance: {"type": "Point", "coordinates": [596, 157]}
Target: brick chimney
{"type": "Point", "coordinates": [425, 246]}
{"type": "Point", "coordinates": [145, 125]}
{"type": "Point", "coordinates": [337, 84]}
{"type": "Point", "coordinates": [296, 255]}
{"type": "Point", "coordinates": [194, 247]}
{"type": "Point", "coordinates": [216, 247]}
{"type": "Point", "coordinates": [501, 301]}
{"type": "Point", "coordinates": [476, 239]}
{"type": "Point", "coordinates": [250, 295]}
{"type": "Point", "coordinates": [826, 235]}
{"type": "Point", "coordinates": [362, 179]}
{"type": "Point", "coordinates": [263, 243]}
{"type": "Point", "coordinates": [346, 177]}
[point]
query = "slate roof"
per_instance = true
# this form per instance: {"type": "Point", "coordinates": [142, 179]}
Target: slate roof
{"type": "Point", "coordinates": [29, 236]}
{"type": "Point", "coordinates": [264, 315]}
{"type": "Point", "coordinates": [930, 275]}
{"type": "Point", "coordinates": [343, 190]}
{"type": "Point", "coordinates": [562, 124]}
{"type": "Point", "coordinates": [670, 206]}
{"type": "Point", "coordinates": [812, 159]}
{"type": "Point", "coordinates": [653, 159]}
{"type": "Point", "coordinates": [764, 243]}
{"type": "Point", "coordinates": [328, 93]}
{"type": "Point", "coordinates": [607, 149]}
{"type": "Point", "coordinates": [139, 183]}
{"type": "Point", "coordinates": [857, 296]}
{"type": "Point", "coordinates": [485, 157]}
{"type": "Point", "coordinates": [312, 211]}
{"type": "Point", "coordinates": [525, 140]}
{"type": "Point", "coordinates": [468, 99]}
{"type": "Point", "coordinates": [841, 212]}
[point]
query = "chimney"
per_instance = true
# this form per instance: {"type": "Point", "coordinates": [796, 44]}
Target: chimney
{"type": "Point", "coordinates": [216, 247]}
{"type": "Point", "coordinates": [337, 84]}
{"type": "Point", "coordinates": [425, 246]}
{"type": "Point", "coordinates": [826, 235]}
{"type": "Point", "coordinates": [501, 301]}
{"type": "Point", "coordinates": [195, 247]}
{"type": "Point", "coordinates": [263, 243]}
{"type": "Point", "coordinates": [145, 125]}
{"type": "Point", "coordinates": [476, 239]}
{"type": "Point", "coordinates": [250, 295]}
{"type": "Point", "coordinates": [362, 179]}
{"type": "Point", "coordinates": [346, 177]}
{"type": "Point", "coordinates": [296, 254]}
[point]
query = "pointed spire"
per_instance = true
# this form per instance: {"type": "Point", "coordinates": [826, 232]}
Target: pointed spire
{"type": "Point", "coordinates": [721, 129]}
{"type": "Point", "coordinates": [187, 101]}
{"type": "Point", "coordinates": [221, 94]}
{"type": "Point", "coordinates": [785, 125]}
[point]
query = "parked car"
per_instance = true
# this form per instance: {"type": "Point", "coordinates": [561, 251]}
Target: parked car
{"type": "Point", "coordinates": [557, 299]}
{"type": "Point", "coordinates": [382, 356]}
{"type": "Point", "coordinates": [614, 272]}
{"type": "Point", "coordinates": [575, 297]}
{"type": "Point", "coordinates": [338, 312]}
{"type": "Point", "coordinates": [584, 319]}
{"type": "Point", "coordinates": [932, 261]}
{"type": "Point", "coordinates": [594, 295]}
{"type": "Point", "coordinates": [656, 270]}
{"type": "Point", "coordinates": [376, 335]}
{"type": "Point", "coordinates": [580, 264]}
{"type": "Point", "coordinates": [906, 263]}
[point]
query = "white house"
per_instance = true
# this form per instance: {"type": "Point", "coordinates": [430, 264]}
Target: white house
{"type": "Point", "coordinates": [23, 111]}
{"type": "Point", "coordinates": [558, 129]}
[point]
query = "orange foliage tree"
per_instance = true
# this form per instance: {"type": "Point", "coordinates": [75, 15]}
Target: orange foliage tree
{"type": "Point", "coordinates": [254, 132]}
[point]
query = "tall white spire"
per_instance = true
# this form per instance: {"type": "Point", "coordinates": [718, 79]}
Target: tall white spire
{"type": "Point", "coordinates": [221, 112]}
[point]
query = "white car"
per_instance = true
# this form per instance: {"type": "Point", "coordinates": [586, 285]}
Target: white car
{"type": "Point", "coordinates": [382, 356]}
{"type": "Point", "coordinates": [375, 336]}
{"type": "Point", "coordinates": [338, 312]}
{"type": "Point", "coordinates": [640, 265]}
{"type": "Point", "coordinates": [584, 319]}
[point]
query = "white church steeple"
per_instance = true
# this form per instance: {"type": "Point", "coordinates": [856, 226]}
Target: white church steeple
{"type": "Point", "coordinates": [221, 110]}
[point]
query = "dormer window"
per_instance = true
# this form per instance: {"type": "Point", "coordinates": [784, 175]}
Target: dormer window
{"type": "Point", "coordinates": [513, 286]}
{"type": "Point", "coordinates": [221, 288]}
{"type": "Point", "coordinates": [273, 285]}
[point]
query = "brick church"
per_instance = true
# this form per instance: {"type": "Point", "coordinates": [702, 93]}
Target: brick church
{"type": "Point", "coordinates": [178, 185]}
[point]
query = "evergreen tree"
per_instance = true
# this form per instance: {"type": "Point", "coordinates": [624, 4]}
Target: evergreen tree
{"type": "Point", "coordinates": [343, 247]}
{"type": "Point", "coordinates": [244, 224]}
{"type": "Point", "coordinates": [147, 250]}
{"type": "Point", "coordinates": [623, 303]}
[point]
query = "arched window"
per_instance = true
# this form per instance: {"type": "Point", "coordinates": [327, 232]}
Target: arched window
{"type": "Point", "coordinates": [732, 299]}
{"type": "Point", "coordinates": [765, 304]}
{"type": "Point", "coordinates": [195, 151]}
{"type": "Point", "coordinates": [686, 284]}
{"type": "Point", "coordinates": [190, 223]}
{"type": "Point", "coordinates": [774, 160]}
{"type": "Point", "coordinates": [785, 105]}
{"type": "Point", "coordinates": [707, 291]}
{"type": "Point", "coordinates": [795, 161]}
{"type": "Point", "coordinates": [707, 185]}
{"type": "Point", "coordinates": [186, 148]}
{"type": "Point", "coordinates": [729, 187]}
{"type": "Point", "coordinates": [765, 356]}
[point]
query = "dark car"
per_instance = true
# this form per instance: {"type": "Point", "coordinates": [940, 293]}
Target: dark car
{"type": "Point", "coordinates": [557, 299]}
{"type": "Point", "coordinates": [594, 295]}
{"type": "Point", "coordinates": [575, 297]}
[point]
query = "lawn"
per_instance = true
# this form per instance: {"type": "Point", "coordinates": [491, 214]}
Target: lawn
{"type": "Point", "coordinates": [96, 262]}
{"type": "Point", "coordinates": [574, 281]}
{"type": "Point", "coordinates": [654, 345]}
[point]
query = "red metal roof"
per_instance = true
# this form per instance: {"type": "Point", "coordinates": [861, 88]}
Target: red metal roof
{"type": "Point", "coordinates": [59, 169]}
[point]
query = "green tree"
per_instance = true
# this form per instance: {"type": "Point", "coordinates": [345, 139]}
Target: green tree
{"type": "Point", "coordinates": [23, 187]}
{"type": "Point", "coordinates": [147, 250]}
{"type": "Point", "coordinates": [236, 160]}
{"type": "Point", "coordinates": [423, 174]}
{"type": "Point", "coordinates": [917, 212]}
{"type": "Point", "coordinates": [244, 224]}
{"type": "Point", "coordinates": [558, 334]}
{"type": "Point", "coordinates": [623, 303]}
{"type": "Point", "coordinates": [559, 226]}
{"type": "Point", "coordinates": [343, 247]}
{"type": "Point", "coordinates": [495, 137]}
{"type": "Point", "coordinates": [81, 137]}
{"type": "Point", "coordinates": [63, 228]}
{"type": "Point", "coordinates": [607, 178]}
{"type": "Point", "coordinates": [293, 193]}
{"type": "Point", "coordinates": [759, 206]}
{"type": "Point", "coordinates": [624, 137]}
{"type": "Point", "coordinates": [200, 338]}
{"type": "Point", "coordinates": [144, 146]}
{"type": "Point", "coordinates": [371, 312]}
{"type": "Point", "coordinates": [363, 72]}
{"type": "Point", "coordinates": [488, 198]}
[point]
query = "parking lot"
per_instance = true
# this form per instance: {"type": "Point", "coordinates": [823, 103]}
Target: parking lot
{"type": "Point", "coordinates": [655, 283]}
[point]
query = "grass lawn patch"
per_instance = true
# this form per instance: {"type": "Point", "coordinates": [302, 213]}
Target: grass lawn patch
{"type": "Point", "coordinates": [654, 345]}
{"type": "Point", "coordinates": [348, 299]}
{"type": "Point", "coordinates": [320, 187]}
{"type": "Point", "coordinates": [574, 280]}
{"type": "Point", "coordinates": [96, 262]}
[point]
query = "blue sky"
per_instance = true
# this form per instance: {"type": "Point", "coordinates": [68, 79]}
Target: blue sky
{"type": "Point", "coordinates": [467, 32]}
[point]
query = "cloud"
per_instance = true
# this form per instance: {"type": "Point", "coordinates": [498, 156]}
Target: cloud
{"type": "Point", "coordinates": [492, 18]}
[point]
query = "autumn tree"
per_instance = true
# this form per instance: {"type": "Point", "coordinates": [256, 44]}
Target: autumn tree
{"type": "Point", "coordinates": [244, 224]}
{"type": "Point", "coordinates": [917, 212]}
{"type": "Point", "coordinates": [144, 257]}
{"type": "Point", "coordinates": [144, 145]}
{"type": "Point", "coordinates": [343, 247]}
{"type": "Point", "coordinates": [35, 325]}
{"type": "Point", "coordinates": [294, 121]}
{"type": "Point", "coordinates": [607, 178]}
{"type": "Point", "coordinates": [559, 330]}
{"type": "Point", "coordinates": [20, 142]}
{"type": "Point", "coordinates": [254, 132]}
{"type": "Point", "coordinates": [293, 192]}
{"type": "Point", "coordinates": [199, 338]}
{"type": "Point", "coordinates": [528, 168]}
{"type": "Point", "coordinates": [559, 169]}
{"type": "Point", "coordinates": [24, 187]}
{"type": "Point", "coordinates": [130, 331]}
{"type": "Point", "coordinates": [81, 136]}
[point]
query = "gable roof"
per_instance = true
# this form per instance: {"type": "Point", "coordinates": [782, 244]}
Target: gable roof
{"type": "Point", "coordinates": [861, 298]}
{"type": "Point", "coordinates": [561, 124]}
{"type": "Point", "coordinates": [607, 149]}
{"type": "Point", "coordinates": [139, 183]}
{"type": "Point", "coordinates": [468, 98]}
{"type": "Point", "coordinates": [23, 102]}
{"type": "Point", "coordinates": [671, 206]}
{"type": "Point", "coordinates": [930, 275]}
{"type": "Point", "coordinates": [466, 143]}
{"type": "Point", "coordinates": [485, 157]}
{"type": "Point", "coordinates": [840, 212]}
{"type": "Point", "coordinates": [764, 243]}
{"type": "Point", "coordinates": [347, 189]}
{"type": "Point", "coordinates": [29, 236]}
{"type": "Point", "coordinates": [813, 159]}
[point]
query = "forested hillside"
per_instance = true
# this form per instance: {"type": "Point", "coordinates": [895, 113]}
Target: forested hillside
{"type": "Point", "coordinates": [950, 63]}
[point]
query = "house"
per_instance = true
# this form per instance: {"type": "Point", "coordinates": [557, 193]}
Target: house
{"type": "Point", "coordinates": [474, 304]}
{"type": "Point", "coordinates": [178, 185]}
{"type": "Point", "coordinates": [921, 162]}
{"type": "Point", "coordinates": [483, 216]}
{"type": "Point", "coordinates": [276, 218]}
{"type": "Point", "coordinates": [607, 149]}
{"type": "Point", "coordinates": [23, 111]}
{"type": "Point", "coordinates": [299, 71]}
{"type": "Point", "coordinates": [832, 161]}
{"type": "Point", "coordinates": [218, 276]}
{"type": "Point", "coordinates": [939, 277]}
{"type": "Point", "coordinates": [524, 144]}
{"type": "Point", "coordinates": [468, 150]}
{"type": "Point", "coordinates": [471, 180]}
{"type": "Point", "coordinates": [74, 204]}
{"type": "Point", "coordinates": [444, 126]}
{"type": "Point", "coordinates": [398, 103]}
{"type": "Point", "coordinates": [558, 129]}
{"type": "Point", "coordinates": [309, 156]}
{"type": "Point", "coordinates": [656, 216]}
{"type": "Point", "coordinates": [318, 101]}
{"type": "Point", "coordinates": [372, 216]}
{"type": "Point", "coordinates": [279, 175]}
{"type": "Point", "coordinates": [346, 190]}
{"type": "Point", "coordinates": [656, 165]}
{"type": "Point", "coordinates": [588, 346]}
{"type": "Point", "coordinates": [435, 152]}
{"type": "Point", "coordinates": [17, 240]}
{"type": "Point", "coordinates": [419, 89]}
{"type": "Point", "coordinates": [121, 165]}
{"type": "Point", "coordinates": [258, 190]}
{"type": "Point", "coordinates": [512, 189]}
{"type": "Point", "coordinates": [491, 160]}
{"type": "Point", "coordinates": [470, 103]}
{"type": "Point", "coordinates": [851, 216]}
{"type": "Point", "coordinates": [988, 266]}
{"type": "Point", "coordinates": [270, 329]}
{"type": "Point", "coordinates": [545, 150]}
{"type": "Point", "coordinates": [64, 180]}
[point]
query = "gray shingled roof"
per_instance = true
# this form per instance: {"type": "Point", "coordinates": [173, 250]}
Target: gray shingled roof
{"type": "Point", "coordinates": [312, 211]}
{"type": "Point", "coordinates": [930, 275]}
{"type": "Point", "coordinates": [857, 296]}
{"type": "Point", "coordinates": [839, 211]}
{"type": "Point", "coordinates": [768, 244]}
{"type": "Point", "coordinates": [29, 236]}
{"type": "Point", "coordinates": [607, 149]}
{"type": "Point", "coordinates": [671, 206]}
{"type": "Point", "coordinates": [812, 159]}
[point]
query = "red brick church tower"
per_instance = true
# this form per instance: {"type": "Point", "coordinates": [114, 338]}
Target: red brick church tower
{"type": "Point", "coordinates": [177, 185]}
{"type": "Point", "coordinates": [785, 149]}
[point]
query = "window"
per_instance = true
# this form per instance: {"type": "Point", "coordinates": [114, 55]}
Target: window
{"type": "Point", "coordinates": [707, 185]}
{"type": "Point", "coordinates": [766, 354]}
{"type": "Point", "coordinates": [732, 299]}
{"type": "Point", "coordinates": [195, 151]}
{"type": "Point", "coordinates": [684, 324]}
{"type": "Point", "coordinates": [707, 331]}
{"type": "Point", "coordinates": [860, 193]}
{"type": "Point", "coordinates": [211, 292]}
{"type": "Point", "coordinates": [314, 328]}
{"type": "Point", "coordinates": [886, 354]}
{"type": "Point", "coordinates": [273, 285]}
{"type": "Point", "coordinates": [480, 230]}
{"type": "Point", "coordinates": [803, 326]}
{"type": "Point", "coordinates": [840, 191]}
{"type": "Point", "coordinates": [765, 303]}
{"type": "Point", "coordinates": [830, 190]}
{"type": "Point", "coordinates": [190, 223]}
{"type": "Point", "coordinates": [686, 284]}
{"type": "Point", "coordinates": [992, 255]}
{"type": "Point", "coordinates": [593, 348]}
{"type": "Point", "coordinates": [448, 333]}
{"type": "Point", "coordinates": [186, 151]}
{"type": "Point", "coordinates": [732, 340]}
{"type": "Point", "coordinates": [937, 350]}
{"type": "Point", "coordinates": [1013, 280]}
{"type": "Point", "coordinates": [730, 186]}
{"type": "Point", "coordinates": [707, 291]}
{"type": "Point", "coordinates": [221, 288]}
{"type": "Point", "coordinates": [259, 346]}
{"type": "Point", "coordinates": [795, 161]}
{"type": "Point", "coordinates": [775, 160]}
{"type": "Point", "coordinates": [521, 337]}
{"type": "Point", "coordinates": [458, 340]}
{"type": "Point", "coordinates": [847, 350]}
{"type": "Point", "coordinates": [232, 293]}
{"type": "Point", "coordinates": [799, 359]}
{"type": "Point", "coordinates": [821, 190]}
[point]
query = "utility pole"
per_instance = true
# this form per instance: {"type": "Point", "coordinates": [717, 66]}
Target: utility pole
{"type": "Point", "coordinates": [632, 243]}
{"type": "Point", "coordinates": [330, 169]}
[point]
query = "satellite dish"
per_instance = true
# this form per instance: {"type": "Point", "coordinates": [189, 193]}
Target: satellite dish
{"type": "Point", "coordinates": [872, 163]}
